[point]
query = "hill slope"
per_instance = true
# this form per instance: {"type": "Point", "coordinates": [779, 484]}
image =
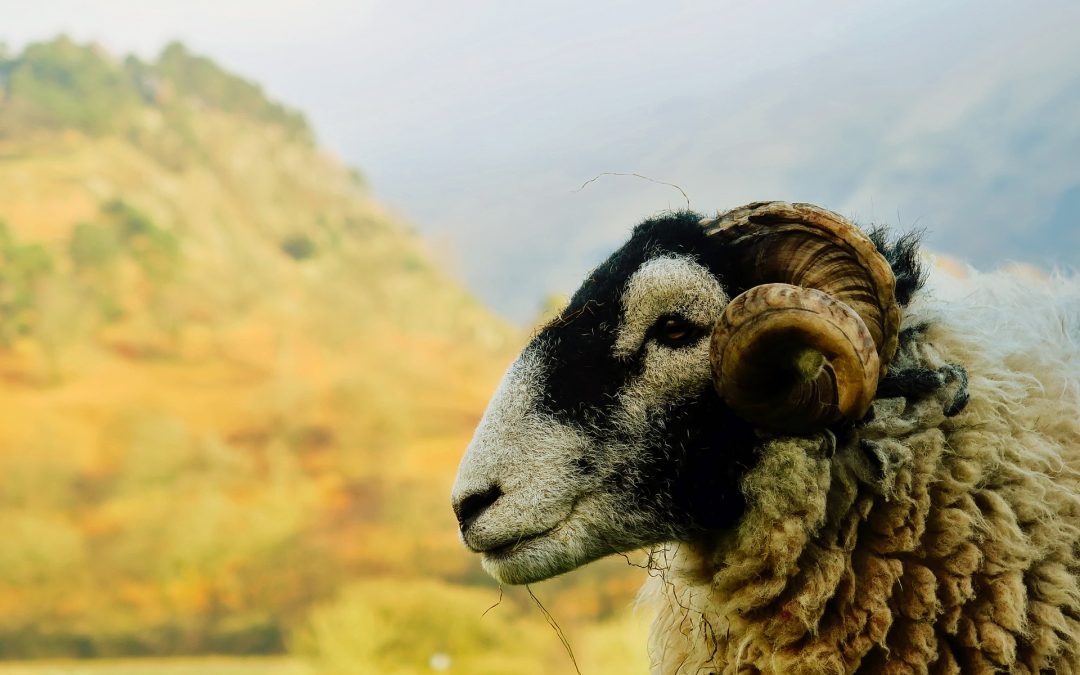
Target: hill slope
{"type": "Point", "coordinates": [218, 357]}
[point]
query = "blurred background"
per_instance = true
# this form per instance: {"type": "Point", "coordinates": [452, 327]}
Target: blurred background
{"type": "Point", "coordinates": [262, 263]}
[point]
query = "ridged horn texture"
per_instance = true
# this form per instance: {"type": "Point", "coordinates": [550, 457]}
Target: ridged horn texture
{"type": "Point", "coordinates": [805, 345]}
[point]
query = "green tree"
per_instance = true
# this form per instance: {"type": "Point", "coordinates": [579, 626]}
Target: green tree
{"type": "Point", "coordinates": [22, 268]}
{"type": "Point", "coordinates": [5, 67]}
{"type": "Point", "coordinates": [72, 85]}
{"type": "Point", "coordinates": [198, 77]}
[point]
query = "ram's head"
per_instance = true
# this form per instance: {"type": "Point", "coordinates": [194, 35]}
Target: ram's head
{"type": "Point", "coordinates": [629, 419]}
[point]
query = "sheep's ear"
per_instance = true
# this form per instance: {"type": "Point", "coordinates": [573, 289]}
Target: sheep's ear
{"type": "Point", "coordinates": [804, 346]}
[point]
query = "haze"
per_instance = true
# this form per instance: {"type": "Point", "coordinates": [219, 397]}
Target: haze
{"type": "Point", "coordinates": [480, 121]}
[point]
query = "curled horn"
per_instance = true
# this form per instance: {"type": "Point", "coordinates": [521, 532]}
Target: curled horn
{"type": "Point", "coordinates": [804, 346]}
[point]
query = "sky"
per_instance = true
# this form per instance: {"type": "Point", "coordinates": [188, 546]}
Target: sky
{"type": "Point", "coordinates": [480, 121]}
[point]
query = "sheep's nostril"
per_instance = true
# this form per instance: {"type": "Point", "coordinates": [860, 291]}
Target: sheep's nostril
{"type": "Point", "coordinates": [469, 509]}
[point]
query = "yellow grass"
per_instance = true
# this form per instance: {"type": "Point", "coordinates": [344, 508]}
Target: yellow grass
{"type": "Point", "coordinates": [191, 666]}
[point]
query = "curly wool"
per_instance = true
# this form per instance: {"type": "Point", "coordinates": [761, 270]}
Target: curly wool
{"type": "Point", "coordinates": [933, 538]}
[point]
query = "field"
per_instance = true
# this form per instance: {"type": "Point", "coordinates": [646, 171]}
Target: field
{"type": "Point", "coordinates": [201, 666]}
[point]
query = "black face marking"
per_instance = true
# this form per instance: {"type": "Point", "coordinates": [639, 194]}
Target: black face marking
{"type": "Point", "coordinates": [713, 449]}
{"type": "Point", "coordinates": [692, 472]}
{"type": "Point", "coordinates": [583, 373]}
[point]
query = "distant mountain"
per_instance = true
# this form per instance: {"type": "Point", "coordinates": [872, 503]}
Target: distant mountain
{"type": "Point", "coordinates": [220, 362]}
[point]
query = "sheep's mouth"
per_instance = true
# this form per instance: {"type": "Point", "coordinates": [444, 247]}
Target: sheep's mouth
{"type": "Point", "coordinates": [532, 557]}
{"type": "Point", "coordinates": [503, 551]}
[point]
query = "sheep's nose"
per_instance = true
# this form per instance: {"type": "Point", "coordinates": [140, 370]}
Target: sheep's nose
{"type": "Point", "coordinates": [469, 508]}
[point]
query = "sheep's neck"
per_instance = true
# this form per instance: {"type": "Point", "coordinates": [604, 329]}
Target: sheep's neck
{"type": "Point", "coordinates": [790, 579]}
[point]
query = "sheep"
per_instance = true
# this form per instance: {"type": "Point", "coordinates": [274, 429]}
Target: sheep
{"type": "Point", "coordinates": [838, 469]}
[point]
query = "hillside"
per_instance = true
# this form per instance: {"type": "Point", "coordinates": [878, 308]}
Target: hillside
{"type": "Point", "coordinates": [218, 356]}
{"type": "Point", "coordinates": [234, 391]}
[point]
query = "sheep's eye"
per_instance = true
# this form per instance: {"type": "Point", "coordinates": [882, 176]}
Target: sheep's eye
{"type": "Point", "coordinates": [675, 331]}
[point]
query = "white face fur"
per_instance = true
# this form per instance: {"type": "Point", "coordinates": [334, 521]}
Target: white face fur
{"type": "Point", "coordinates": [550, 482]}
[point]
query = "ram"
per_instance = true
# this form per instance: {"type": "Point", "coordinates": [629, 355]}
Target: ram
{"type": "Point", "coordinates": [837, 469]}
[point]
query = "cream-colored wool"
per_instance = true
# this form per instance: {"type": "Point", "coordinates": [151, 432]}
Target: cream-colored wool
{"type": "Point", "coordinates": [923, 543]}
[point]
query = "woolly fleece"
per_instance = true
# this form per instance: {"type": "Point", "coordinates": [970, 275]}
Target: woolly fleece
{"type": "Point", "coordinates": [918, 542]}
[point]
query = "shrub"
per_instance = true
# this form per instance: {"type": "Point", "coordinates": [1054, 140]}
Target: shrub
{"type": "Point", "coordinates": [156, 250]}
{"type": "Point", "coordinates": [299, 247]}
{"type": "Point", "coordinates": [22, 269]}
{"type": "Point", "coordinates": [93, 245]}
